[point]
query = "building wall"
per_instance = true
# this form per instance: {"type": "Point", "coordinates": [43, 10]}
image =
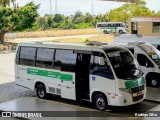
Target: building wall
{"type": "Point", "coordinates": [144, 27]}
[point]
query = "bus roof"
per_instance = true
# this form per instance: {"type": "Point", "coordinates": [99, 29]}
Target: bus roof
{"type": "Point", "coordinates": [132, 38]}
{"type": "Point", "coordinates": [108, 22]}
{"type": "Point", "coordinates": [74, 46]}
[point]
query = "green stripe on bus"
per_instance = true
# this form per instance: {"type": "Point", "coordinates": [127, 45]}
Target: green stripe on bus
{"type": "Point", "coordinates": [134, 83]}
{"type": "Point", "coordinates": [45, 73]}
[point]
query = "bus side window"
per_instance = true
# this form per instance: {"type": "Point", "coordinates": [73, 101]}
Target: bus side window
{"type": "Point", "coordinates": [58, 59]}
{"type": "Point", "coordinates": [44, 57]}
{"type": "Point", "coordinates": [68, 62]}
{"type": "Point", "coordinates": [27, 56]}
{"type": "Point", "coordinates": [98, 69]}
{"type": "Point", "coordinates": [144, 61]}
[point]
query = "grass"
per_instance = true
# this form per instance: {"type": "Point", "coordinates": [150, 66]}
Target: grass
{"type": "Point", "coordinates": [56, 33]}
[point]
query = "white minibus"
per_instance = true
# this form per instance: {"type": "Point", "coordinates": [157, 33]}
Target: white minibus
{"type": "Point", "coordinates": [102, 74]}
{"type": "Point", "coordinates": [112, 27]}
{"type": "Point", "coordinates": [148, 58]}
{"type": "Point", "coordinates": [125, 38]}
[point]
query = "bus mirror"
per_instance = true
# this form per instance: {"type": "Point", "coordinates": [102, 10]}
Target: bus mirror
{"type": "Point", "coordinates": [101, 61]}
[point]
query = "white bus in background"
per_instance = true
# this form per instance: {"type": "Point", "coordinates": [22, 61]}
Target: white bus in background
{"type": "Point", "coordinates": [102, 74]}
{"type": "Point", "coordinates": [112, 27]}
{"type": "Point", "coordinates": [125, 38]}
{"type": "Point", "coordinates": [148, 58]}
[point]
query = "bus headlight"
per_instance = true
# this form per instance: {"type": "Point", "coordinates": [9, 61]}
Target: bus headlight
{"type": "Point", "coordinates": [125, 90]}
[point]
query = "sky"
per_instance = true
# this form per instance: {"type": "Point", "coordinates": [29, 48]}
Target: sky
{"type": "Point", "coordinates": [69, 7]}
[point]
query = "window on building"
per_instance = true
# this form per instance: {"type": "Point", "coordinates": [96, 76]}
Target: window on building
{"type": "Point", "coordinates": [27, 56]}
{"type": "Point", "coordinates": [44, 57]}
{"type": "Point", "coordinates": [156, 27]}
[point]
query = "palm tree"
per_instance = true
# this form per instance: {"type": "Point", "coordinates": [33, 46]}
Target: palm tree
{"type": "Point", "coordinates": [5, 3]}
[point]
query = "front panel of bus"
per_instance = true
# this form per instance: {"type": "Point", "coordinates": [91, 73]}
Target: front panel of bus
{"type": "Point", "coordinates": [130, 83]}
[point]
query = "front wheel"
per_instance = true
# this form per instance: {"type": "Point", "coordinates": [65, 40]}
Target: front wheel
{"type": "Point", "coordinates": [154, 83]}
{"type": "Point", "coordinates": [100, 102]}
{"type": "Point", "coordinates": [120, 32]}
{"type": "Point", "coordinates": [41, 91]}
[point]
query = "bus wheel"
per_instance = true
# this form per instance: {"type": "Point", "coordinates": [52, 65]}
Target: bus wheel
{"type": "Point", "coordinates": [100, 102]}
{"type": "Point", "coordinates": [154, 83]}
{"type": "Point", "coordinates": [105, 32]}
{"type": "Point", "coordinates": [120, 32]}
{"type": "Point", "coordinates": [41, 91]}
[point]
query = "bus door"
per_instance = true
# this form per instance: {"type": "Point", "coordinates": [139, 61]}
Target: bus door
{"type": "Point", "coordinates": [82, 75]}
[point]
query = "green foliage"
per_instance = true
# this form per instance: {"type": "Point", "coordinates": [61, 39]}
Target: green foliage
{"type": "Point", "coordinates": [122, 13]}
{"type": "Point", "coordinates": [82, 25]}
{"type": "Point", "coordinates": [26, 17]}
{"type": "Point", "coordinates": [5, 3]}
{"type": "Point", "coordinates": [58, 18]}
{"type": "Point", "coordinates": [18, 19]}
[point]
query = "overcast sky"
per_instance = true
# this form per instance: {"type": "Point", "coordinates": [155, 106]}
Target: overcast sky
{"type": "Point", "coordinates": [68, 7]}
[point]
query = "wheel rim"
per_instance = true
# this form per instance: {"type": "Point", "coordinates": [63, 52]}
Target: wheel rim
{"type": "Point", "coordinates": [120, 32]}
{"type": "Point", "coordinates": [154, 82]}
{"type": "Point", "coordinates": [100, 103]}
{"type": "Point", "coordinates": [41, 92]}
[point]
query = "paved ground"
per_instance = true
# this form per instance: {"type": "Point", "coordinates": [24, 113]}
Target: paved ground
{"type": "Point", "coordinates": [8, 89]}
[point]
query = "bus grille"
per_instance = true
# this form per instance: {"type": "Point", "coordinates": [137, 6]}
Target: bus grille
{"type": "Point", "coordinates": [137, 98]}
{"type": "Point", "coordinates": [137, 89]}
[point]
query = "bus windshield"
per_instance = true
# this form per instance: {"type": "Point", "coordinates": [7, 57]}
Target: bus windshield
{"type": "Point", "coordinates": [123, 63]}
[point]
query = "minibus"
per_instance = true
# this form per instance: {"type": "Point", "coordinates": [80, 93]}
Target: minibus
{"type": "Point", "coordinates": [112, 27]}
{"type": "Point", "coordinates": [125, 38]}
{"type": "Point", "coordinates": [148, 58]}
{"type": "Point", "coordinates": [99, 73]}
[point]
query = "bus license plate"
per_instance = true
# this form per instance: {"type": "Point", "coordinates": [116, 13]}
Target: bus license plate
{"type": "Point", "coordinates": [139, 93]}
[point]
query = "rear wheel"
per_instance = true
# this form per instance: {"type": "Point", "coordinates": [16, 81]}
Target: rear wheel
{"type": "Point", "coordinates": [105, 32]}
{"type": "Point", "coordinates": [120, 32]}
{"type": "Point", "coordinates": [100, 102]}
{"type": "Point", "coordinates": [41, 91]}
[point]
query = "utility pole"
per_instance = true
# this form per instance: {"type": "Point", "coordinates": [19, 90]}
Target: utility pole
{"type": "Point", "coordinates": [92, 7]}
{"type": "Point", "coordinates": [50, 7]}
{"type": "Point", "coordinates": [56, 7]}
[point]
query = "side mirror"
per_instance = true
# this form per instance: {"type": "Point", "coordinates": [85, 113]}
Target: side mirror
{"type": "Point", "coordinates": [101, 61]}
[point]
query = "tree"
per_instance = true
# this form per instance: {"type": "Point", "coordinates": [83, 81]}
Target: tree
{"type": "Point", "coordinates": [122, 13]}
{"type": "Point", "coordinates": [158, 13]}
{"type": "Point", "coordinates": [58, 18]}
{"type": "Point", "coordinates": [5, 3]}
{"type": "Point", "coordinates": [23, 18]}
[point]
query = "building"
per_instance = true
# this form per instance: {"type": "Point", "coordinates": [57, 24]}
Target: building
{"type": "Point", "coordinates": [148, 26]}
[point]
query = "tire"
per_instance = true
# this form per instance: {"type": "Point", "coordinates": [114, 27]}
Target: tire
{"type": "Point", "coordinates": [120, 32]}
{"type": "Point", "coordinates": [105, 32]}
{"type": "Point", "coordinates": [154, 83]}
{"type": "Point", "coordinates": [100, 102]}
{"type": "Point", "coordinates": [41, 91]}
